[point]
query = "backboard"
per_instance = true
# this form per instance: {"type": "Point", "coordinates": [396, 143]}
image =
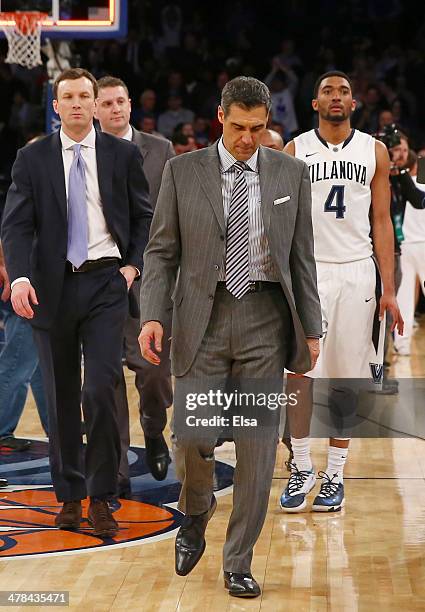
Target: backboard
{"type": "Point", "coordinates": [76, 18]}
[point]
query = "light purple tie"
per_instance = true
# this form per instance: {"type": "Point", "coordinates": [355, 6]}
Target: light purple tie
{"type": "Point", "coordinates": [77, 211]}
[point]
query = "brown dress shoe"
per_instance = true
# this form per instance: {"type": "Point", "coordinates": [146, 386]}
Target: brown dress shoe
{"type": "Point", "coordinates": [70, 516]}
{"type": "Point", "coordinates": [101, 519]}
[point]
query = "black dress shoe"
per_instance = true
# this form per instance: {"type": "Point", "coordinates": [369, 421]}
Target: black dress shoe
{"type": "Point", "coordinates": [241, 585]}
{"type": "Point", "coordinates": [190, 540]}
{"type": "Point", "coordinates": [157, 456]}
{"type": "Point", "coordinates": [3, 483]}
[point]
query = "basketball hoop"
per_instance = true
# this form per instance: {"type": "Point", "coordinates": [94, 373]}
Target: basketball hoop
{"type": "Point", "coordinates": [23, 32]}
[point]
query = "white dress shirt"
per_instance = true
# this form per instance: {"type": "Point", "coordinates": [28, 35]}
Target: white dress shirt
{"type": "Point", "coordinates": [101, 243]}
{"type": "Point", "coordinates": [129, 134]}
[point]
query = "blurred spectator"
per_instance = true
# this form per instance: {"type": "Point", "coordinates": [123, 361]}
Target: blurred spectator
{"type": "Point", "coordinates": [145, 106]}
{"type": "Point", "coordinates": [385, 117]}
{"type": "Point", "coordinates": [175, 114]}
{"type": "Point", "coordinates": [365, 117]}
{"type": "Point", "coordinates": [211, 101]}
{"type": "Point", "coordinates": [201, 127]}
{"type": "Point", "coordinates": [174, 86]}
{"type": "Point", "coordinates": [95, 63]}
{"type": "Point", "coordinates": [171, 25]}
{"type": "Point", "coordinates": [183, 143]}
{"type": "Point", "coordinates": [412, 263]}
{"type": "Point", "coordinates": [283, 84]}
{"type": "Point", "coordinates": [401, 115]}
{"type": "Point", "coordinates": [148, 126]}
{"type": "Point", "coordinates": [115, 63]}
{"type": "Point", "coordinates": [272, 140]}
{"type": "Point", "coordinates": [185, 128]}
{"type": "Point", "coordinates": [22, 115]}
{"type": "Point", "coordinates": [277, 127]}
{"type": "Point", "coordinates": [288, 56]}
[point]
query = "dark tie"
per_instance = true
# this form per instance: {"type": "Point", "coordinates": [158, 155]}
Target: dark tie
{"type": "Point", "coordinates": [77, 211]}
{"type": "Point", "coordinates": [237, 253]}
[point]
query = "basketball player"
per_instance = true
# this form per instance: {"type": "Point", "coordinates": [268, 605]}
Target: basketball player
{"type": "Point", "coordinates": [349, 172]}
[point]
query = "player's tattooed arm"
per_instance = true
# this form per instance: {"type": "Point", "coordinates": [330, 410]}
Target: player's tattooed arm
{"type": "Point", "coordinates": [383, 235]}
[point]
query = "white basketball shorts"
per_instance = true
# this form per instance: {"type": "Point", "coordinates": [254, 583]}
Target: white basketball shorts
{"type": "Point", "coordinates": [353, 342]}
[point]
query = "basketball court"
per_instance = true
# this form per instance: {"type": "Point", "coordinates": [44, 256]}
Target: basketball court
{"type": "Point", "coordinates": [369, 556]}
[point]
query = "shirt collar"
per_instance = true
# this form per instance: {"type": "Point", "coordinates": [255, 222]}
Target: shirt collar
{"type": "Point", "coordinates": [227, 160]}
{"type": "Point", "coordinates": [129, 134]}
{"type": "Point", "coordinates": [88, 141]}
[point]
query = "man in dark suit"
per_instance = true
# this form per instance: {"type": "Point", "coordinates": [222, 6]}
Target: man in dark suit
{"type": "Point", "coordinates": [74, 229]}
{"type": "Point", "coordinates": [113, 108]}
{"type": "Point", "coordinates": [234, 221]}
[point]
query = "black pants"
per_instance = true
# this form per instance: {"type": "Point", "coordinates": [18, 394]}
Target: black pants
{"type": "Point", "coordinates": [153, 384]}
{"type": "Point", "coordinates": [91, 316]}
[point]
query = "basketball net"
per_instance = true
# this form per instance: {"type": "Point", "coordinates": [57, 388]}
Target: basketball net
{"type": "Point", "coordinates": [23, 32]}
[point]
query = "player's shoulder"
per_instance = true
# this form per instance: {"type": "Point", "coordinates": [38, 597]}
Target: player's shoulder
{"type": "Point", "coordinates": [364, 137]}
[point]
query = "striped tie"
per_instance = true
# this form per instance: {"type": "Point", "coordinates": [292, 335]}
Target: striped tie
{"type": "Point", "coordinates": [237, 253]}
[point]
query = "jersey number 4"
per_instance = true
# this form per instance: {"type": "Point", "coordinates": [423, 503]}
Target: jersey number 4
{"type": "Point", "coordinates": [335, 201]}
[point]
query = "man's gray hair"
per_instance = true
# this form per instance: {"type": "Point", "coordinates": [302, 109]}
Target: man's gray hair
{"type": "Point", "coordinates": [246, 92]}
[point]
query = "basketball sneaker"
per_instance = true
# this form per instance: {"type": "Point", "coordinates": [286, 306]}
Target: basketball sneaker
{"type": "Point", "coordinates": [331, 495]}
{"type": "Point", "coordinates": [300, 483]}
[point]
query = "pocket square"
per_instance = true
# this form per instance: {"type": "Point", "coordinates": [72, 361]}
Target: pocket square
{"type": "Point", "coordinates": [281, 200]}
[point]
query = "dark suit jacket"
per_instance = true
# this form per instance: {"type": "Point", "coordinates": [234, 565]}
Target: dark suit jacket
{"type": "Point", "coordinates": [34, 228]}
{"type": "Point", "coordinates": [156, 152]}
{"type": "Point", "coordinates": [188, 236]}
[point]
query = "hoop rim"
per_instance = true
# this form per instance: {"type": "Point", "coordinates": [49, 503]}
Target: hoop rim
{"type": "Point", "coordinates": [17, 19]}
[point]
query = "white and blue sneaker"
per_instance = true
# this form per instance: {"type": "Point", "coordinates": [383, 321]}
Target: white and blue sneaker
{"type": "Point", "coordinates": [300, 483]}
{"type": "Point", "coordinates": [331, 495]}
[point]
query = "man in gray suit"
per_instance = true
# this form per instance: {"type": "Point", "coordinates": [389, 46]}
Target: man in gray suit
{"type": "Point", "coordinates": [235, 220]}
{"type": "Point", "coordinates": [113, 109]}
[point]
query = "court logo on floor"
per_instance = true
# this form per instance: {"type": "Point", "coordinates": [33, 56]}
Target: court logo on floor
{"type": "Point", "coordinates": [29, 506]}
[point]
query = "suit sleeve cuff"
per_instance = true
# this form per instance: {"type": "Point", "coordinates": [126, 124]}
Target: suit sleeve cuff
{"type": "Point", "coordinates": [21, 279]}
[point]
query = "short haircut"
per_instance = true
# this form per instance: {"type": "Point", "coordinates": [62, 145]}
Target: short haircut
{"type": "Point", "coordinates": [246, 92]}
{"type": "Point", "coordinates": [179, 138]}
{"type": "Point", "coordinates": [328, 74]}
{"type": "Point", "coordinates": [72, 74]}
{"type": "Point", "coordinates": [146, 93]}
{"type": "Point", "coordinates": [111, 81]}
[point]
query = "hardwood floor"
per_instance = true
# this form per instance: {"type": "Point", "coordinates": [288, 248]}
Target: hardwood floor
{"type": "Point", "coordinates": [369, 557]}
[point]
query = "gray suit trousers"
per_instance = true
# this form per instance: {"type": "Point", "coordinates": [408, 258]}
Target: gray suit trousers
{"type": "Point", "coordinates": [245, 339]}
{"type": "Point", "coordinates": [153, 384]}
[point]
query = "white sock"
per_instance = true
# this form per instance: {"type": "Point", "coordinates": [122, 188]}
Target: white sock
{"type": "Point", "coordinates": [336, 461]}
{"type": "Point", "coordinates": [301, 450]}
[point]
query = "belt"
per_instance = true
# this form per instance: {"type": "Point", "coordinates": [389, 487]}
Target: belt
{"type": "Point", "coordinates": [93, 264]}
{"type": "Point", "coordinates": [256, 286]}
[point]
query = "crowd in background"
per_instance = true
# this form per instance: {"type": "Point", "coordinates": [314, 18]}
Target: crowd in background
{"type": "Point", "coordinates": [178, 56]}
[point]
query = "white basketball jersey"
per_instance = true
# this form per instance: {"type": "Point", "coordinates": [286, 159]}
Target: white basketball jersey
{"type": "Point", "coordinates": [340, 181]}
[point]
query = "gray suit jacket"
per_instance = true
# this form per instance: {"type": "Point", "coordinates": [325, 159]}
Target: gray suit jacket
{"type": "Point", "coordinates": [188, 233]}
{"type": "Point", "coordinates": [156, 152]}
